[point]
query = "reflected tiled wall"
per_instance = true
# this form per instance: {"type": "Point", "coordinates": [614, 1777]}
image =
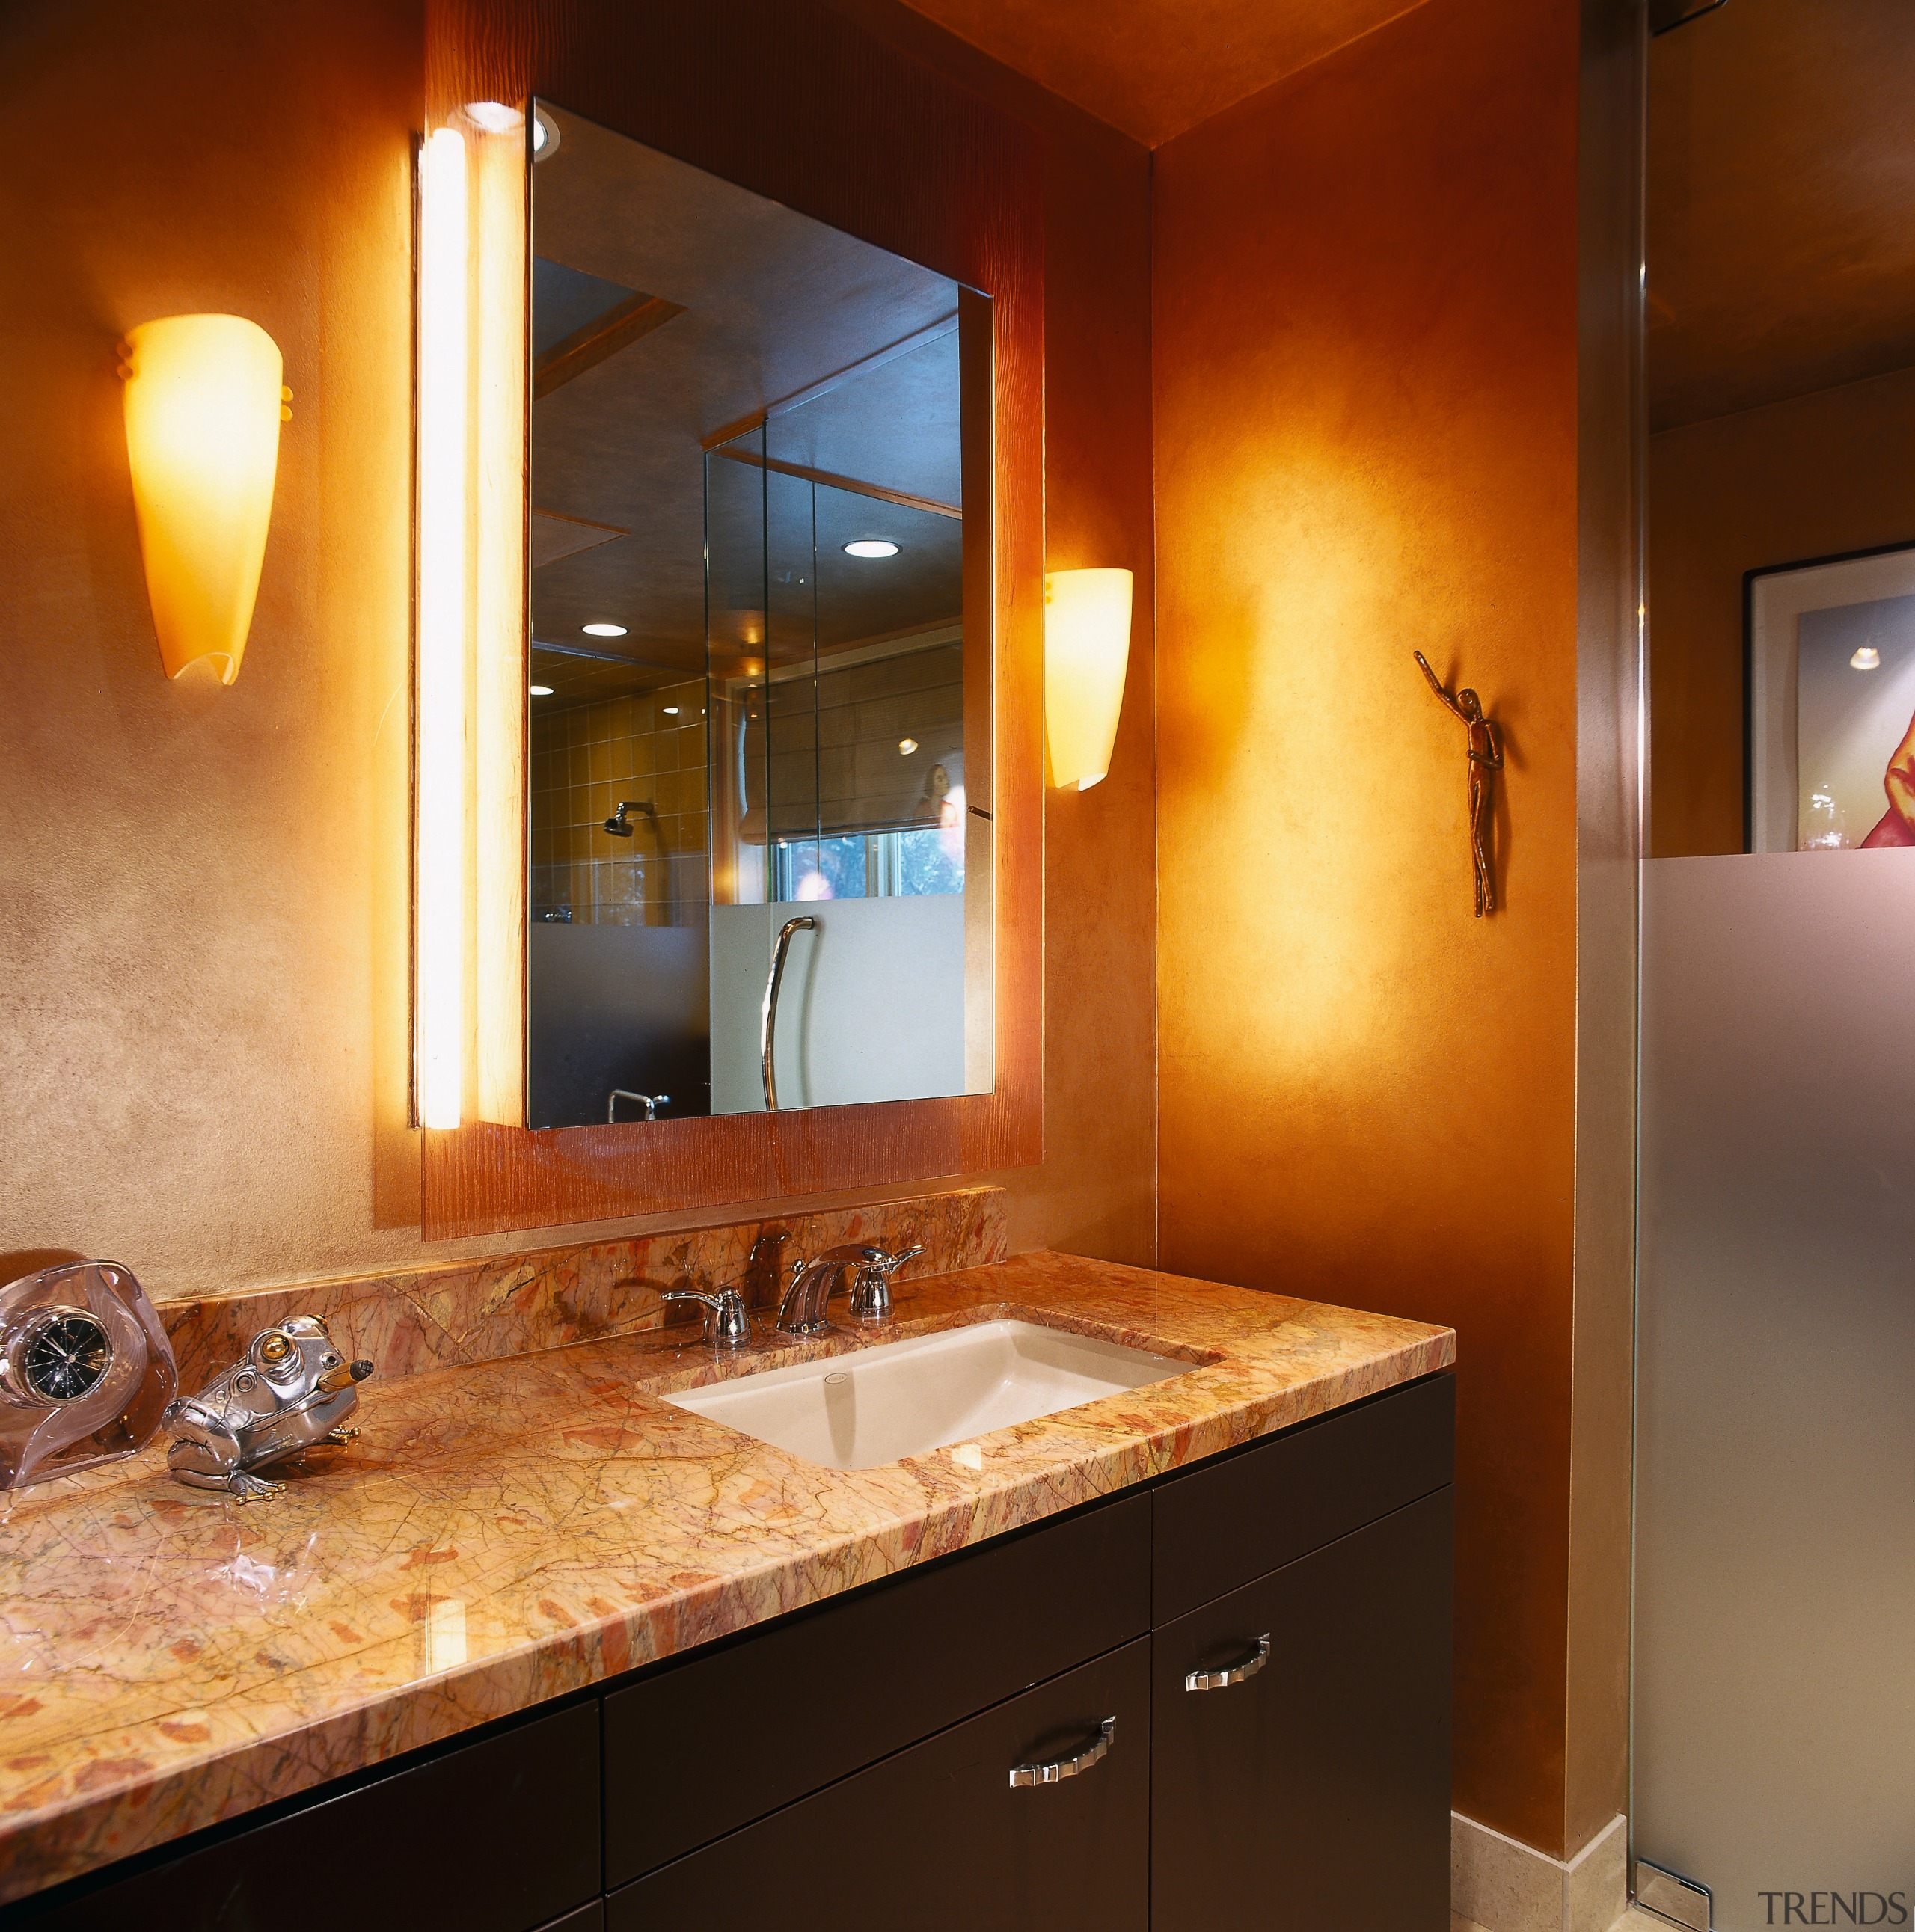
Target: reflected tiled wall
{"type": "Point", "coordinates": [837, 743]}
{"type": "Point", "coordinates": [585, 759]}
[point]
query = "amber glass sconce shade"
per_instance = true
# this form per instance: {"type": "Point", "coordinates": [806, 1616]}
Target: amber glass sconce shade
{"type": "Point", "coordinates": [1086, 651]}
{"type": "Point", "coordinates": [203, 407]}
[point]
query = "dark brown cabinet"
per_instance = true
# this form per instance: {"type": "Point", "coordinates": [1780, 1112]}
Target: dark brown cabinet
{"type": "Point", "coordinates": [938, 1839]}
{"type": "Point", "coordinates": [501, 1835]}
{"type": "Point", "coordinates": [835, 1690]}
{"type": "Point", "coordinates": [851, 1765]}
{"type": "Point", "coordinates": [1300, 1742]}
{"type": "Point", "coordinates": [587, 1918]}
{"type": "Point", "coordinates": [1222, 1522]}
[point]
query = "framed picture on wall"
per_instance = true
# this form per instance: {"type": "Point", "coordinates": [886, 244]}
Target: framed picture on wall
{"type": "Point", "coordinates": [1830, 663]}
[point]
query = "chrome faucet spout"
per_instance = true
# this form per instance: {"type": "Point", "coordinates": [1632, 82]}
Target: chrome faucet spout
{"type": "Point", "coordinates": [801, 1312]}
{"type": "Point", "coordinates": [814, 1282]}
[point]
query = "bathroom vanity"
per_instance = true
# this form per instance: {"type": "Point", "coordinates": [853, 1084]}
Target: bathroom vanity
{"type": "Point", "coordinates": [1185, 1664]}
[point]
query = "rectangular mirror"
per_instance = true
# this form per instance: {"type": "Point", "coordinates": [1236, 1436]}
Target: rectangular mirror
{"type": "Point", "coordinates": [759, 738]}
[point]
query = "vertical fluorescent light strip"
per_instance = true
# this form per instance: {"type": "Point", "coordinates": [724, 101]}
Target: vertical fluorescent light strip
{"type": "Point", "coordinates": [498, 187]}
{"type": "Point", "coordinates": [439, 951]}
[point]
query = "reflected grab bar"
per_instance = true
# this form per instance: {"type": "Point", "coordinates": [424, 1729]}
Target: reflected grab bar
{"type": "Point", "coordinates": [768, 1029]}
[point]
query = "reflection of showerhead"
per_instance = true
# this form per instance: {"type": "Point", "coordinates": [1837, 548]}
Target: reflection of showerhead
{"type": "Point", "coordinates": [620, 827]}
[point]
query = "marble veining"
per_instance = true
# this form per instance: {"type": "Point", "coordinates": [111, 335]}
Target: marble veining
{"type": "Point", "coordinates": [409, 1320]}
{"type": "Point", "coordinates": [510, 1530]}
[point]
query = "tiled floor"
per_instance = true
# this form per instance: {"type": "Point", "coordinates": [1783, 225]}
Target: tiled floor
{"type": "Point", "coordinates": [1631, 1921]}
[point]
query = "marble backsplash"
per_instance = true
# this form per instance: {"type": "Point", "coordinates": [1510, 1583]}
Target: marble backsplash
{"type": "Point", "coordinates": [482, 1310]}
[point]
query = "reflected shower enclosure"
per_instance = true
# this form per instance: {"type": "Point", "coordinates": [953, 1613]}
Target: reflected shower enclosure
{"type": "Point", "coordinates": [760, 700]}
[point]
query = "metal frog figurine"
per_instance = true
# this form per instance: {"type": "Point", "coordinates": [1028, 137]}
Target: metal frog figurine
{"type": "Point", "coordinates": [293, 1390]}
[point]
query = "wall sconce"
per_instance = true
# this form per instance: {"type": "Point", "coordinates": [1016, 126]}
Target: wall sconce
{"type": "Point", "coordinates": [203, 407]}
{"type": "Point", "coordinates": [469, 957]}
{"type": "Point", "coordinates": [1087, 650]}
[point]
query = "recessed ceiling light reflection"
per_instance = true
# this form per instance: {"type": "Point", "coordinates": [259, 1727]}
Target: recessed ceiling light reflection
{"type": "Point", "coordinates": [670, 710]}
{"type": "Point", "coordinates": [907, 745]}
{"type": "Point", "coordinates": [1867, 659]}
{"type": "Point", "coordinates": [494, 116]}
{"type": "Point", "coordinates": [541, 691]}
{"type": "Point", "coordinates": [871, 547]}
{"type": "Point", "coordinates": [604, 630]}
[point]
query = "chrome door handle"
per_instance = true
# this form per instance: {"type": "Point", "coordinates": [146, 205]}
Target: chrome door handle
{"type": "Point", "coordinates": [1238, 1673]}
{"type": "Point", "coordinates": [768, 1017]}
{"type": "Point", "coordinates": [1059, 1769]}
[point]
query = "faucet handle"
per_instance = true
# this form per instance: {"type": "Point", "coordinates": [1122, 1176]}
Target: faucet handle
{"type": "Point", "coordinates": [870, 1291]}
{"type": "Point", "coordinates": [727, 1322]}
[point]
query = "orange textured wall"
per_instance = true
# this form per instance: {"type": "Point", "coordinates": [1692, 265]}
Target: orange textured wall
{"type": "Point", "coordinates": [1095, 1193]}
{"type": "Point", "coordinates": [203, 972]}
{"type": "Point", "coordinates": [1365, 343]}
{"type": "Point", "coordinates": [1814, 476]}
{"type": "Point", "coordinates": [205, 953]}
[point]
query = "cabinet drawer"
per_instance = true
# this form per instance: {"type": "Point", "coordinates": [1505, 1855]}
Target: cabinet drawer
{"type": "Point", "coordinates": [499, 1836]}
{"type": "Point", "coordinates": [1313, 1790]}
{"type": "Point", "coordinates": [937, 1839]}
{"type": "Point", "coordinates": [702, 1749]}
{"type": "Point", "coordinates": [1225, 1521]}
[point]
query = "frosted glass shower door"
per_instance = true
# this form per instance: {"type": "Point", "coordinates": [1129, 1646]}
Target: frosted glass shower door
{"type": "Point", "coordinates": [1774, 1663]}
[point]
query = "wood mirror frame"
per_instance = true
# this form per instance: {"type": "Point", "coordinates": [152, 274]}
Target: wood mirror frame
{"type": "Point", "coordinates": [799, 104]}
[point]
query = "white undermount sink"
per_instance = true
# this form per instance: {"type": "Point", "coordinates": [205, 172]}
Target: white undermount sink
{"type": "Point", "coordinates": [856, 1411]}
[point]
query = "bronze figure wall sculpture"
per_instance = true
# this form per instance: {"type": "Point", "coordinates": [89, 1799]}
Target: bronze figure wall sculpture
{"type": "Point", "coordinates": [1485, 759]}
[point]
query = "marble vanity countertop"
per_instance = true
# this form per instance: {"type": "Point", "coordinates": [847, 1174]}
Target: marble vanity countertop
{"type": "Point", "coordinates": [511, 1530]}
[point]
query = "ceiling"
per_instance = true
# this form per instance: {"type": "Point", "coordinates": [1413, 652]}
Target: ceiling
{"type": "Point", "coordinates": [592, 677]}
{"type": "Point", "coordinates": [762, 306]}
{"type": "Point", "coordinates": [1782, 174]}
{"type": "Point", "coordinates": [1781, 203]}
{"type": "Point", "coordinates": [1154, 68]}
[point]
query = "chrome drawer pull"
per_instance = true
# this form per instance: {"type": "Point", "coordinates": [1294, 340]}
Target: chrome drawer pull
{"type": "Point", "coordinates": [1059, 1769]}
{"type": "Point", "coordinates": [1222, 1680]}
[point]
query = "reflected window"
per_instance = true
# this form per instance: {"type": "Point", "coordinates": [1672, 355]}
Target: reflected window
{"type": "Point", "coordinates": [913, 863]}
